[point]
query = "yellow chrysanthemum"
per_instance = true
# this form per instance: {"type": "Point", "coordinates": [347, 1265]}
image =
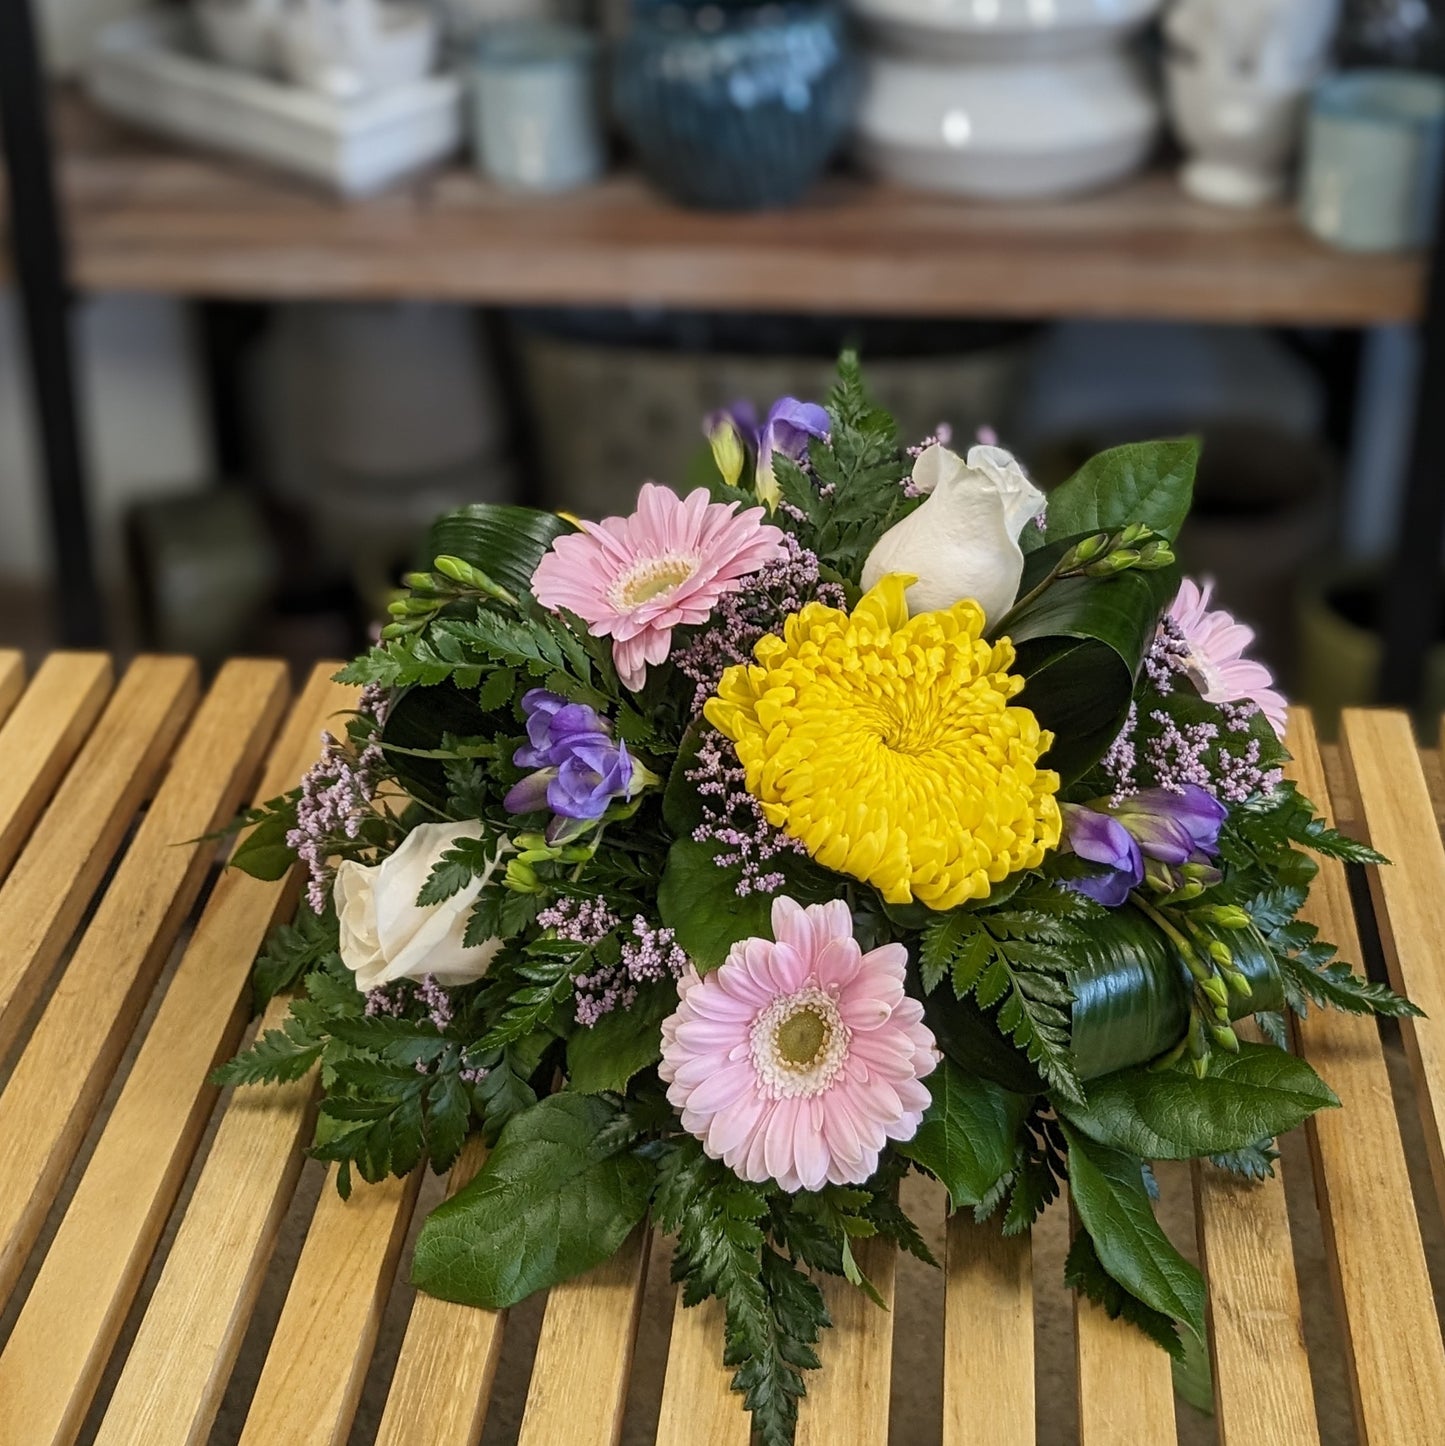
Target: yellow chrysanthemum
{"type": "Point", "coordinates": [889, 746]}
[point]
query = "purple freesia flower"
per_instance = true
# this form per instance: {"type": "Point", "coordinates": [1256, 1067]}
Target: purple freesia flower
{"type": "Point", "coordinates": [1174, 828]}
{"type": "Point", "coordinates": [1101, 839]}
{"type": "Point", "coordinates": [790, 425]}
{"type": "Point", "coordinates": [1151, 834]}
{"type": "Point", "coordinates": [578, 767]}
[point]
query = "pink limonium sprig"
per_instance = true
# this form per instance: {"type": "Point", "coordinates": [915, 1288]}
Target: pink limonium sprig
{"type": "Point", "coordinates": [336, 798]}
{"type": "Point", "coordinates": [636, 579]}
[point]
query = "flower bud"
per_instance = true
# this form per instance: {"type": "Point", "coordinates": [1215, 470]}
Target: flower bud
{"type": "Point", "coordinates": [1219, 952]}
{"type": "Point", "coordinates": [1225, 1038]}
{"type": "Point", "coordinates": [729, 451]}
{"type": "Point", "coordinates": [1115, 563]}
{"type": "Point", "coordinates": [522, 878]}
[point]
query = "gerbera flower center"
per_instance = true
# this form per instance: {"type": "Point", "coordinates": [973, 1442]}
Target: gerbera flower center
{"type": "Point", "coordinates": [651, 578]}
{"type": "Point", "coordinates": [799, 1043]}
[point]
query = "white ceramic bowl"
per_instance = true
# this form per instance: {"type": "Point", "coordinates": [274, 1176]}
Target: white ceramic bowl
{"type": "Point", "coordinates": [1037, 129]}
{"type": "Point", "coordinates": [1002, 29]}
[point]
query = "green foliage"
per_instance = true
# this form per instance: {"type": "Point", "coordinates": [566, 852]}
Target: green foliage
{"type": "Point", "coordinates": [558, 1195]}
{"type": "Point", "coordinates": [1084, 1272]}
{"type": "Point", "coordinates": [506, 543]}
{"type": "Point", "coordinates": [291, 952]}
{"type": "Point", "coordinates": [263, 852]}
{"type": "Point", "coordinates": [277, 1056]}
{"type": "Point", "coordinates": [1170, 1115]}
{"type": "Point", "coordinates": [1016, 958]}
{"type": "Point", "coordinates": [1107, 1189]}
{"type": "Point", "coordinates": [969, 1136]}
{"type": "Point", "coordinates": [527, 993]}
{"type": "Point", "coordinates": [864, 469]}
{"type": "Point", "coordinates": [1145, 482]}
{"type": "Point", "coordinates": [465, 860]}
{"type": "Point", "coordinates": [607, 1055]}
{"type": "Point", "coordinates": [774, 1313]}
{"type": "Point", "coordinates": [1254, 1162]}
{"type": "Point", "coordinates": [1081, 643]}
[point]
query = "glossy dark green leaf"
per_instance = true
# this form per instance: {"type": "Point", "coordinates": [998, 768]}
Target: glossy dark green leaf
{"type": "Point", "coordinates": [968, 1138]}
{"type": "Point", "coordinates": [1107, 1189]}
{"type": "Point", "coordinates": [419, 718]}
{"type": "Point", "coordinates": [1131, 993]}
{"type": "Point", "coordinates": [605, 1056]}
{"type": "Point", "coordinates": [1254, 1095]}
{"type": "Point", "coordinates": [1148, 482]}
{"type": "Point", "coordinates": [263, 852]}
{"type": "Point", "coordinates": [699, 902]}
{"type": "Point", "coordinates": [972, 1041]}
{"type": "Point", "coordinates": [506, 543]}
{"type": "Point", "coordinates": [1080, 645]}
{"type": "Point", "coordinates": [558, 1195]}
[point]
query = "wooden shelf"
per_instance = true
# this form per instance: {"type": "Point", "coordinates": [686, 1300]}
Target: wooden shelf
{"type": "Point", "coordinates": [146, 216]}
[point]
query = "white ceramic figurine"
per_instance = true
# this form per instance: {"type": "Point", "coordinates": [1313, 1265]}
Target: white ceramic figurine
{"type": "Point", "coordinates": [1239, 73]}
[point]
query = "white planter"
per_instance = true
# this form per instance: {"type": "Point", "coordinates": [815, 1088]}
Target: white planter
{"type": "Point", "coordinates": [1239, 72]}
{"type": "Point", "coordinates": [150, 71]}
{"type": "Point", "coordinates": [1026, 129]}
{"type": "Point", "coordinates": [1001, 30]}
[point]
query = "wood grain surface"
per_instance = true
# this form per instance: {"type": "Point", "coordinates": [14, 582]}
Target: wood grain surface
{"type": "Point", "coordinates": [1372, 1238]}
{"type": "Point", "coordinates": [65, 1333]}
{"type": "Point", "coordinates": [847, 1402]}
{"type": "Point", "coordinates": [699, 1406]}
{"type": "Point", "coordinates": [988, 1336]}
{"type": "Point", "coordinates": [1398, 818]}
{"type": "Point", "coordinates": [74, 842]}
{"type": "Point", "coordinates": [68, 1061]}
{"type": "Point", "coordinates": [443, 1379]}
{"type": "Point", "coordinates": [584, 1355]}
{"type": "Point", "coordinates": [146, 216]}
{"type": "Point", "coordinates": [322, 1346]}
{"type": "Point", "coordinates": [1262, 1390]}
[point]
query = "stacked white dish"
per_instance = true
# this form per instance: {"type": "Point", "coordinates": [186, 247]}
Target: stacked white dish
{"type": "Point", "coordinates": [1006, 98]}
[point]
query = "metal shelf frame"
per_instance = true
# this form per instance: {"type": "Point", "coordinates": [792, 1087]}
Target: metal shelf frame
{"type": "Point", "coordinates": [1415, 592]}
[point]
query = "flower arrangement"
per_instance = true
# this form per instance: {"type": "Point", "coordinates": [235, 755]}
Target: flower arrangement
{"type": "Point", "coordinates": [862, 812]}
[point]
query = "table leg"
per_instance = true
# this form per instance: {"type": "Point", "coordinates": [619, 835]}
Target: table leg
{"type": "Point", "coordinates": [1415, 588]}
{"type": "Point", "coordinates": [39, 255]}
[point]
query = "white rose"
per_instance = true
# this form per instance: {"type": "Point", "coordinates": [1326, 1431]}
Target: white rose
{"type": "Point", "coordinates": [964, 541]}
{"type": "Point", "coordinates": [386, 936]}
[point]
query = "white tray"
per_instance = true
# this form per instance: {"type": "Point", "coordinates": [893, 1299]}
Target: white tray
{"type": "Point", "coordinates": [150, 70]}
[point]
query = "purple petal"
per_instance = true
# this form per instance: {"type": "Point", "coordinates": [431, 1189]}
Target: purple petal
{"type": "Point", "coordinates": [1173, 827]}
{"type": "Point", "coordinates": [1101, 839]}
{"type": "Point", "coordinates": [1111, 889]}
{"type": "Point", "coordinates": [531, 793]}
{"type": "Point", "coordinates": [742, 414]}
{"type": "Point", "coordinates": [790, 426]}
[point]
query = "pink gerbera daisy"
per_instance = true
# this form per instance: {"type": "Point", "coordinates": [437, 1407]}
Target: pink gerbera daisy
{"type": "Point", "coordinates": [797, 1061]}
{"type": "Point", "coordinates": [634, 579]}
{"type": "Point", "coordinates": [1215, 660]}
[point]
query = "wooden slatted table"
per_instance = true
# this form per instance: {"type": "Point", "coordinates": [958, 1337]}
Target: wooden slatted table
{"type": "Point", "coordinates": [142, 1249]}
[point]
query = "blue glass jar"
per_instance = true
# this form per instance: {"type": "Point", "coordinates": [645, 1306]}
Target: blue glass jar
{"type": "Point", "coordinates": [735, 106]}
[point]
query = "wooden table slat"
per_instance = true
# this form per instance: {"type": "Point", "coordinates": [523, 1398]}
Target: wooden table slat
{"type": "Point", "coordinates": [52, 882]}
{"type": "Point", "coordinates": [1372, 1238]}
{"type": "Point", "coordinates": [63, 1072]}
{"type": "Point", "coordinates": [1126, 1384]}
{"type": "Point", "coordinates": [988, 1336]}
{"type": "Point", "coordinates": [1399, 820]}
{"type": "Point", "coordinates": [847, 1402]}
{"type": "Point", "coordinates": [1262, 1388]}
{"type": "Point", "coordinates": [588, 1332]}
{"type": "Point", "coordinates": [699, 1406]}
{"type": "Point", "coordinates": [63, 1337]}
{"type": "Point", "coordinates": [180, 1361]}
{"type": "Point", "coordinates": [41, 737]}
{"type": "Point", "coordinates": [321, 1350]}
{"type": "Point", "coordinates": [443, 1378]}
{"type": "Point", "coordinates": [12, 679]}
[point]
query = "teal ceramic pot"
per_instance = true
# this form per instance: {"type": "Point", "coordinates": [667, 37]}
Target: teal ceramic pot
{"type": "Point", "coordinates": [735, 107]}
